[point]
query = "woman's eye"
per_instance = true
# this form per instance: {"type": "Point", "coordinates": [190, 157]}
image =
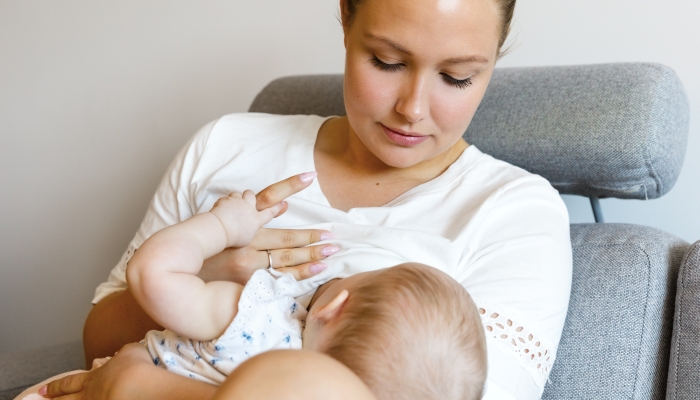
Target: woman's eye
{"type": "Point", "coordinates": [384, 66]}
{"type": "Point", "coordinates": [459, 83]}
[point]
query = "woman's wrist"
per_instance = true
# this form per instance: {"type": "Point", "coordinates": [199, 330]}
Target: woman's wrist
{"type": "Point", "coordinates": [221, 267]}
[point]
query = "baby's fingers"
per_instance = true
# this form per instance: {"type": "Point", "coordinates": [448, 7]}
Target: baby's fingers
{"type": "Point", "coordinates": [248, 196]}
{"type": "Point", "coordinates": [269, 213]}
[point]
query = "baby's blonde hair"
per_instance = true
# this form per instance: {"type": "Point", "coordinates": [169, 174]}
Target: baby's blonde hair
{"type": "Point", "coordinates": [413, 332]}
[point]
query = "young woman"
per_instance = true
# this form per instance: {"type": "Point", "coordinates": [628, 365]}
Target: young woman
{"type": "Point", "coordinates": [394, 177]}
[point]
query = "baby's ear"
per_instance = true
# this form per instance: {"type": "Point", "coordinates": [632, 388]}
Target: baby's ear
{"type": "Point", "coordinates": [331, 310]}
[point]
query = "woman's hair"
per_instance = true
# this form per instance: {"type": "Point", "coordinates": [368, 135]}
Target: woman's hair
{"type": "Point", "coordinates": [506, 8]}
{"type": "Point", "coordinates": [412, 332]}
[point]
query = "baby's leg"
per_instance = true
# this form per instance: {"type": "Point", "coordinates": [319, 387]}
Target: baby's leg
{"type": "Point", "coordinates": [293, 374]}
{"type": "Point", "coordinates": [33, 392]}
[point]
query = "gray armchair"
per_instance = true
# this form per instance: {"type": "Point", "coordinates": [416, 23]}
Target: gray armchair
{"type": "Point", "coordinates": [616, 130]}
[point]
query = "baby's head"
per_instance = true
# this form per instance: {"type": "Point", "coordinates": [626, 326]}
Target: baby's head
{"type": "Point", "coordinates": [409, 331]}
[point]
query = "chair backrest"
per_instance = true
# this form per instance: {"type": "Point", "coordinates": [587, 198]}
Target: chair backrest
{"type": "Point", "coordinates": [612, 130]}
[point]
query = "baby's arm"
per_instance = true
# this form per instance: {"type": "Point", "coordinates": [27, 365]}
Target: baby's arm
{"type": "Point", "coordinates": [162, 275]}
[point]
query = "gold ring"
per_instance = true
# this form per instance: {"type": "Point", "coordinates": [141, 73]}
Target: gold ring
{"type": "Point", "coordinates": [269, 259]}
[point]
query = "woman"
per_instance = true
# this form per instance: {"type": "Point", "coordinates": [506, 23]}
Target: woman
{"type": "Point", "coordinates": [394, 176]}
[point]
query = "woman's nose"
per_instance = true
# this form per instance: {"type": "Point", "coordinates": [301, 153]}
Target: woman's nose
{"type": "Point", "coordinates": [413, 101]}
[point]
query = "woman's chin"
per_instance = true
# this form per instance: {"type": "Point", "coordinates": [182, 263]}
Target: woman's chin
{"type": "Point", "coordinates": [402, 158]}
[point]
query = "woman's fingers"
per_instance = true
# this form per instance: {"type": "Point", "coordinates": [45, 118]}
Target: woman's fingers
{"type": "Point", "coordinates": [279, 191]}
{"type": "Point", "coordinates": [304, 271]}
{"type": "Point", "coordinates": [74, 396]}
{"type": "Point", "coordinates": [290, 257]}
{"type": "Point", "coordinates": [65, 386]}
{"type": "Point", "coordinates": [269, 239]}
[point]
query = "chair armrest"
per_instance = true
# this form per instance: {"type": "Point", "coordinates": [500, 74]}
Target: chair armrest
{"type": "Point", "coordinates": [684, 367]}
{"type": "Point", "coordinates": [617, 335]}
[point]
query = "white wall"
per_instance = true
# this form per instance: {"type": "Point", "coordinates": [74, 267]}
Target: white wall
{"type": "Point", "coordinates": [95, 99]}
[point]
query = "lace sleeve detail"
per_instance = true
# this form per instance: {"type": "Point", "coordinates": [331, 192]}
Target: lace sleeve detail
{"type": "Point", "coordinates": [126, 257]}
{"type": "Point", "coordinates": [513, 338]}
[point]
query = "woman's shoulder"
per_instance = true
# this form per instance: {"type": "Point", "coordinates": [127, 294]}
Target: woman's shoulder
{"type": "Point", "coordinates": [496, 179]}
{"type": "Point", "coordinates": [234, 130]}
{"type": "Point", "coordinates": [248, 141]}
{"type": "Point", "coordinates": [489, 167]}
{"type": "Point", "coordinates": [261, 126]}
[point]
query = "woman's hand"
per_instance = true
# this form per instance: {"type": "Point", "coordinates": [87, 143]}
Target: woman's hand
{"type": "Point", "coordinates": [130, 374]}
{"type": "Point", "coordinates": [287, 247]}
{"type": "Point", "coordinates": [114, 380]}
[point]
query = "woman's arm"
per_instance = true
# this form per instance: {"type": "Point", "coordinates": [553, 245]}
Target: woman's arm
{"type": "Point", "coordinates": [113, 322]}
{"type": "Point", "coordinates": [519, 274]}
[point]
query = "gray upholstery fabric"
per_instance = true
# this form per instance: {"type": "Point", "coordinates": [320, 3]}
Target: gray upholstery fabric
{"type": "Point", "coordinates": [616, 340]}
{"type": "Point", "coordinates": [684, 369]}
{"type": "Point", "coordinates": [613, 130]}
{"type": "Point", "coordinates": [310, 94]}
{"type": "Point", "coordinates": [19, 371]}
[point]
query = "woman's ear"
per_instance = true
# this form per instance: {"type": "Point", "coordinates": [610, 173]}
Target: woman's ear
{"type": "Point", "coordinates": [344, 13]}
{"type": "Point", "coordinates": [345, 20]}
{"type": "Point", "coordinates": [331, 310]}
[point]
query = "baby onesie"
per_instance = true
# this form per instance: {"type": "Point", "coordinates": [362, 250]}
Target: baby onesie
{"type": "Point", "coordinates": [268, 318]}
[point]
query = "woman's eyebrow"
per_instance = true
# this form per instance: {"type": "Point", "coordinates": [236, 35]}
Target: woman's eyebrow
{"type": "Point", "coordinates": [468, 59]}
{"type": "Point", "coordinates": [389, 42]}
{"type": "Point", "coordinates": [454, 60]}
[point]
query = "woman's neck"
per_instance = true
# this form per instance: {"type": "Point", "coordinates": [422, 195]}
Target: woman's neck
{"type": "Point", "coordinates": [352, 176]}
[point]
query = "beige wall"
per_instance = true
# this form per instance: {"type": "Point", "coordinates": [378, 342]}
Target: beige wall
{"type": "Point", "coordinates": [97, 97]}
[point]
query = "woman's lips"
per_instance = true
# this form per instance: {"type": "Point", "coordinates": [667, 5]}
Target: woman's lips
{"type": "Point", "coordinates": [404, 139]}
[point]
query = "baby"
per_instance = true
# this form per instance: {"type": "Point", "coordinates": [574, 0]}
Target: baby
{"type": "Point", "coordinates": [409, 331]}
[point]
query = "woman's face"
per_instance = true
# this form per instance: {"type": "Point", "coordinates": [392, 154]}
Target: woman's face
{"type": "Point", "coordinates": [415, 72]}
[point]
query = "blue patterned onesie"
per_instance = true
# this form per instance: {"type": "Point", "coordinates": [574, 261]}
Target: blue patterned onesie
{"type": "Point", "coordinates": [268, 318]}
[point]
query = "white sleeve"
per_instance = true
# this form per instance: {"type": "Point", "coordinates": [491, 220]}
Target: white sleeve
{"type": "Point", "coordinates": [519, 274]}
{"type": "Point", "coordinates": [173, 202]}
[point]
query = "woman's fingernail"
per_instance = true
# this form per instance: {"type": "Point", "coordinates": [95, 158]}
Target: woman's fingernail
{"type": "Point", "coordinates": [308, 176]}
{"type": "Point", "coordinates": [328, 250]}
{"type": "Point", "coordinates": [43, 390]}
{"type": "Point", "coordinates": [327, 236]}
{"type": "Point", "coordinates": [317, 268]}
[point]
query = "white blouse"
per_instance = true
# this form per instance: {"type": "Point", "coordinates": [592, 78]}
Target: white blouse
{"type": "Point", "coordinates": [500, 231]}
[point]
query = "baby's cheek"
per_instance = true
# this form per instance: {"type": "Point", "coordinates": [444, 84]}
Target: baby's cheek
{"type": "Point", "coordinates": [309, 335]}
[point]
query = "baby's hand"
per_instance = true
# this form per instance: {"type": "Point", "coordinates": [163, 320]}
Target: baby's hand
{"type": "Point", "coordinates": [240, 218]}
